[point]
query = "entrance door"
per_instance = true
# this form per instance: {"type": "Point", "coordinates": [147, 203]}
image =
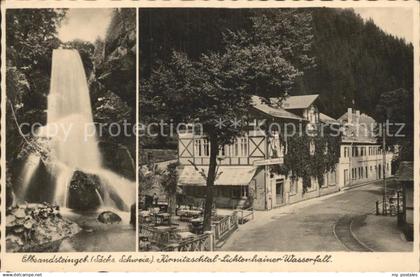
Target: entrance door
{"type": "Point", "coordinates": [279, 191]}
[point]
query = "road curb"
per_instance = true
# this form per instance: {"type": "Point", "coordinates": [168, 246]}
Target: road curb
{"type": "Point", "coordinates": [365, 184]}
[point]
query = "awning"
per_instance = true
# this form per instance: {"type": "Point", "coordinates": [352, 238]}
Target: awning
{"type": "Point", "coordinates": [228, 176]}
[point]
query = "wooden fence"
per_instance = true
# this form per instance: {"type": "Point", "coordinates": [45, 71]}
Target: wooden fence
{"type": "Point", "coordinates": [204, 242]}
{"type": "Point", "coordinates": [223, 228]}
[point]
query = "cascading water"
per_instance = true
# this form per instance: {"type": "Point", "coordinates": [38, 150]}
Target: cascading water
{"type": "Point", "coordinates": [72, 138]}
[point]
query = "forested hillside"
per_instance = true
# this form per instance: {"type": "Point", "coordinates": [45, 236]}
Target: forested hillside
{"type": "Point", "coordinates": [356, 61]}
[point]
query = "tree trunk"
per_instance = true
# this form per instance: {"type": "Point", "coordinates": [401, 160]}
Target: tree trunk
{"type": "Point", "coordinates": [211, 176]}
{"type": "Point", "coordinates": [172, 203]}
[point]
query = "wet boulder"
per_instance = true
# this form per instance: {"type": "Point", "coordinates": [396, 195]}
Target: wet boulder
{"type": "Point", "coordinates": [84, 191]}
{"type": "Point", "coordinates": [118, 158]}
{"type": "Point", "coordinates": [109, 217]}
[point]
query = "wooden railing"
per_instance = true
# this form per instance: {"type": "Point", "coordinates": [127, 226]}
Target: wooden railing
{"type": "Point", "coordinates": [204, 242]}
{"type": "Point", "coordinates": [154, 236]}
{"type": "Point", "coordinates": [245, 215]}
{"type": "Point", "coordinates": [226, 226]}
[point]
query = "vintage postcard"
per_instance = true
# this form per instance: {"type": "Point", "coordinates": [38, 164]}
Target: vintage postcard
{"type": "Point", "coordinates": [210, 136]}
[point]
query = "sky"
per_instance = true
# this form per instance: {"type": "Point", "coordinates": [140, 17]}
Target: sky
{"type": "Point", "coordinates": [395, 21]}
{"type": "Point", "coordinates": [84, 24]}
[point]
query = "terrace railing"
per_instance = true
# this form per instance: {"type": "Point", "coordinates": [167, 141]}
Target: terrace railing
{"type": "Point", "coordinates": [245, 215]}
{"type": "Point", "coordinates": [226, 226]}
{"type": "Point", "coordinates": [155, 236]}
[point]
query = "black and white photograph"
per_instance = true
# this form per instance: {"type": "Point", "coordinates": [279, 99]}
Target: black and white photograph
{"type": "Point", "coordinates": [281, 129]}
{"type": "Point", "coordinates": [70, 115]}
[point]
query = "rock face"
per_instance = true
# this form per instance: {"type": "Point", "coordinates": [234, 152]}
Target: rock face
{"type": "Point", "coordinates": [41, 187]}
{"type": "Point", "coordinates": [112, 85]}
{"type": "Point", "coordinates": [117, 68]}
{"type": "Point", "coordinates": [83, 192]}
{"type": "Point", "coordinates": [117, 158]}
{"type": "Point", "coordinates": [36, 228]}
{"type": "Point", "coordinates": [108, 217]}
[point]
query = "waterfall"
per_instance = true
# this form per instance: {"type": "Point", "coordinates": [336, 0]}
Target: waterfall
{"type": "Point", "coordinates": [69, 113]}
{"type": "Point", "coordinates": [71, 134]}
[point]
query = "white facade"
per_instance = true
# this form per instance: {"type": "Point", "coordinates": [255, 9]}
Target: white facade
{"type": "Point", "coordinates": [360, 163]}
{"type": "Point", "coordinates": [361, 157]}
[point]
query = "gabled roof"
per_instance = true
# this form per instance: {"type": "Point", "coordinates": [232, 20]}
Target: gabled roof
{"type": "Point", "coordinates": [405, 172]}
{"type": "Point", "coordinates": [327, 119]}
{"type": "Point", "coordinates": [298, 101]}
{"type": "Point", "coordinates": [364, 118]}
{"type": "Point", "coordinates": [260, 105]}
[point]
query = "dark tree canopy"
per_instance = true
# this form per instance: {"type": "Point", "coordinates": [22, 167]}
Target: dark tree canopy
{"type": "Point", "coordinates": [356, 61]}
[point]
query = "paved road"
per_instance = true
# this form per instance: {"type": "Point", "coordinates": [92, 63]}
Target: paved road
{"type": "Point", "coordinates": [314, 225]}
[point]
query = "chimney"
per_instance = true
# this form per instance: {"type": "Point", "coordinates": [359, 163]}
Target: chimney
{"type": "Point", "coordinates": [349, 115]}
{"type": "Point", "coordinates": [357, 117]}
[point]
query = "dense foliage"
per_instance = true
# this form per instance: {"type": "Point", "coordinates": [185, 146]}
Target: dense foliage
{"type": "Point", "coordinates": [395, 107]}
{"type": "Point", "coordinates": [356, 63]}
{"type": "Point", "coordinates": [31, 37]}
{"type": "Point", "coordinates": [310, 155]}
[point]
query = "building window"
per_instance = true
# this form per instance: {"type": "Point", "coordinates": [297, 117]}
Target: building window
{"type": "Point", "coordinates": [244, 147]}
{"type": "Point", "coordinates": [240, 147]}
{"type": "Point", "coordinates": [330, 178]}
{"type": "Point", "coordinates": [311, 184]}
{"type": "Point", "coordinates": [206, 147]}
{"type": "Point", "coordinates": [222, 151]}
{"type": "Point", "coordinates": [202, 147]}
{"type": "Point", "coordinates": [333, 178]}
{"type": "Point", "coordinates": [326, 180]}
{"type": "Point", "coordinates": [355, 151]}
{"type": "Point", "coordinates": [366, 172]}
{"type": "Point", "coordinates": [293, 186]}
{"type": "Point", "coordinates": [346, 176]}
{"type": "Point", "coordinates": [197, 149]}
{"type": "Point", "coordinates": [346, 151]}
{"type": "Point", "coordinates": [236, 192]}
